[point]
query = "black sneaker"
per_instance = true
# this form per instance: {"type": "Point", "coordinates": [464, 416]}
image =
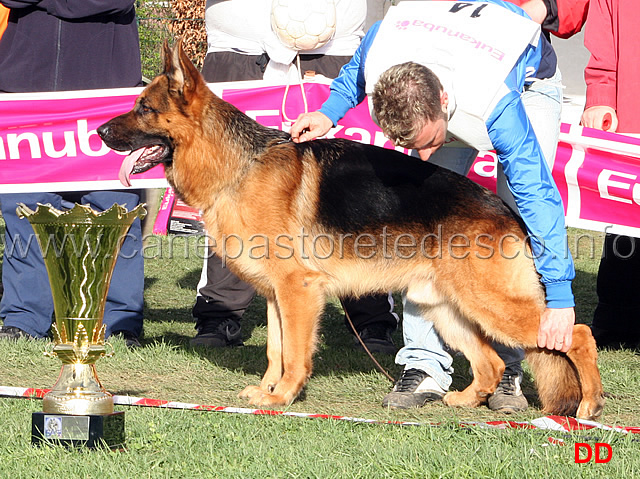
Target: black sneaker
{"type": "Point", "coordinates": [11, 332]}
{"type": "Point", "coordinates": [218, 333]}
{"type": "Point", "coordinates": [130, 340]}
{"type": "Point", "coordinates": [508, 397]}
{"type": "Point", "coordinates": [377, 338]}
{"type": "Point", "coordinates": [414, 388]}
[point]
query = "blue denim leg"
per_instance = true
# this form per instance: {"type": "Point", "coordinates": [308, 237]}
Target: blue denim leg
{"type": "Point", "coordinates": [423, 349]}
{"type": "Point", "coordinates": [457, 159]}
{"type": "Point", "coordinates": [543, 104]}
{"type": "Point", "coordinates": [512, 357]}
{"type": "Point", "coordinates": [26, 302]}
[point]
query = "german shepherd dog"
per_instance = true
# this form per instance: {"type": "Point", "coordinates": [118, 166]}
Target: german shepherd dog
{"type": "Point", "coordinates": [334, 217]}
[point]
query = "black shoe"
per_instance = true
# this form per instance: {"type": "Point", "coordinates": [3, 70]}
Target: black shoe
{"type": "Point", "coordinates": [508, 397]}
{"type": "Point", "coordinates": [414, 388]}
{"type": "Point", "coordinates": [11, 332]}
{"type": "Point", "coordinates": [217, 333]}
{"type": "Point", "coordinates": [130, 339]}
{"type": "Point", "coordinates": [377, 338]}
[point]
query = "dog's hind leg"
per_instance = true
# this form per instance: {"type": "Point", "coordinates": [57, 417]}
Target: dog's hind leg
{"type": "Point", "coordinates": [462, 335]}
{"type": "Point", "coordinates": [584, 356]}
{"type": "Point", "coordinates": [300, 299]}
{"type": "Point", "coordinates": [569, 384]}
{"type": "Point", "coordinates": [485, 363]}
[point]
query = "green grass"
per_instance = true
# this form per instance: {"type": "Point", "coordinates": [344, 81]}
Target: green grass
{"type": "Point", "coordinates": [192, 444]}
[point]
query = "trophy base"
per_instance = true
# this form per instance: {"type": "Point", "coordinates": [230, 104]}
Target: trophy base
{"type": "Point", "coordinates": [92, 431]}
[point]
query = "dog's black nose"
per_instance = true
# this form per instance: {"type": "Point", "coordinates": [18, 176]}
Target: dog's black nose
{"type": "Point", "coordinates": [103, 130]}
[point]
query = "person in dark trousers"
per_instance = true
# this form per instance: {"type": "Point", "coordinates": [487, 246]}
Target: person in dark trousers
{"type": "Point", "coordinates": [57, 45]}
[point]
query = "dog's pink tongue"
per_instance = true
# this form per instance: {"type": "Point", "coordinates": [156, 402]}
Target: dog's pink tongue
{"type": "Point", "coordinates": [127, 166]}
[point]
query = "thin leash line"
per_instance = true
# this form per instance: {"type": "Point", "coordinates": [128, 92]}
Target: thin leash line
{"type": "Point", "coordinates": [375, 361]}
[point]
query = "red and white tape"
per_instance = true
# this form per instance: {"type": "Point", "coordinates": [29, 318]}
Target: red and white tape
{"type": "Point", "coordinates": [552, 423]}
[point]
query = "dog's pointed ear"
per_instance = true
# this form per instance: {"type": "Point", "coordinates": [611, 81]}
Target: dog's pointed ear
{"type": "Point", "coordinates": [184, 78]}
{"type": "Point", "coordinates": [166, 57]}
{"type": "Point", "coordinates": [172, 68]}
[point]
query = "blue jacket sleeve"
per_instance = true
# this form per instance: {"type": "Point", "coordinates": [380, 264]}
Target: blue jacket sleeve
{"type": "Point", "coordinates": [535, 193]}
{"type": "Point", "coordinates": [348, 89]}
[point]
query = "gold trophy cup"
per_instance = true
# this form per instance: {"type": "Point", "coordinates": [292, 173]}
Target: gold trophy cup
{"type": "Point", "coordinates": [80, 247]}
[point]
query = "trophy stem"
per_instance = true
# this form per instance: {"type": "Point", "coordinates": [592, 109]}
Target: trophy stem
{"type": "Point", "coordinates": [78, 391]}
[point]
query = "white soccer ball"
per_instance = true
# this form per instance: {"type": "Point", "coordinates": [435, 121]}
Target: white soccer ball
{"type": "Point", "coordinates": [303, 24]}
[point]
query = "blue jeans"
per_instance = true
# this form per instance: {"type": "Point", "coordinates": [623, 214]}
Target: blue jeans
{"type": "Point", "coordinates": [423, 348]}
{"type": "Point", "coordinates": [27, 303]}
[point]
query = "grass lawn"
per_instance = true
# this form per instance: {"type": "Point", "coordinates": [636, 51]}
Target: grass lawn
{"type": "Point", "coordinates": [193, 444]}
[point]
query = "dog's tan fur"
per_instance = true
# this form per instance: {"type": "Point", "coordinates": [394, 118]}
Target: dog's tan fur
{"type": "Point", "coordinates": [248, 181]}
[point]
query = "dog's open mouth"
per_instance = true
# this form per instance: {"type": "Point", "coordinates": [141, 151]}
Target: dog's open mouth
{"type": "Point", "coordinates": [141, 160]}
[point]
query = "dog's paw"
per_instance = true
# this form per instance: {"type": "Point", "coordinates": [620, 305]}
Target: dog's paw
{"type": "Point", "coordinates": [461, 399]}
{"type": "Point", "coordinates": [250, 392]}
{"type": "Point", "coordinates": [259, 397]}
{"type": "Point", "coordinates": [590, 410]}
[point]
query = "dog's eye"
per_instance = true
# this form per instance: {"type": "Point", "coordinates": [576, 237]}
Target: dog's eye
{"type": "Point", "coordinates": [146, 109]}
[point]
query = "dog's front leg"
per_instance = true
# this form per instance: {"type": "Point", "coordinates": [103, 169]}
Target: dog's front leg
{"type": "Point", "coordinates": [274, 355]}
{"type": "Point", "coordinates": [274, 348]}
{"type": "Point", "coordinates": [300, 300]}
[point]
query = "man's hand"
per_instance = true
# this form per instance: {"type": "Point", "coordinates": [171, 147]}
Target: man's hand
{"type": "Point", "coordinates": [601, 118]}
{"type": "Point", "coordinates": [310, 126]}
{"type": "Point", "coordinates": [556, 329]}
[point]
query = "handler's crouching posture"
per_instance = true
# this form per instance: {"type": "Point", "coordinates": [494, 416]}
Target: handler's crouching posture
{"type": "Point", "coordinates": [457, 90]}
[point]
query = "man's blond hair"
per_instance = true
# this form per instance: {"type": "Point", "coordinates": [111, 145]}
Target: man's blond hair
{"type": "Point", "coordinates": [405, 98]}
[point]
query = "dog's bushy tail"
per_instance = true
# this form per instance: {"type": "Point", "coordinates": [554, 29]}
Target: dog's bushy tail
{"type": "Point", "coordinates": [557, 381]}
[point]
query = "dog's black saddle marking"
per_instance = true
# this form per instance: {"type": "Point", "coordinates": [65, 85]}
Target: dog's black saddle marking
{"type": "Point", "coordinates": [364, 187]}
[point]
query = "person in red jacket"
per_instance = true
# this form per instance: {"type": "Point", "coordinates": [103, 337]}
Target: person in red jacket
{"type": "Point", "coordinates": [613, 104]}
{"type": "Point", "coordinates": [562, 18]}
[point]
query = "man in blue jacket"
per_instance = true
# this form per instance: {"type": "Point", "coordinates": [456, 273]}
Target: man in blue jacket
{"type": "Point", "coordinates": [466, 74]}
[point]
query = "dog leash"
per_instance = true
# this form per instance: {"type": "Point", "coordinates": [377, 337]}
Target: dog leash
{"type": "Point", "coordinates": [375, 361]}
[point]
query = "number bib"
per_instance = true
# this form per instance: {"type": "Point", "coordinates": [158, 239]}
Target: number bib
{"type": "Point", "coordinates": [471, 46]}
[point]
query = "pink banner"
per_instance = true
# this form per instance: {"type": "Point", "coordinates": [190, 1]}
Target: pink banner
{"type": "Point", "coordinates": [48, 143]}
{"type": "Point", "coordinates": [597, 175]}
